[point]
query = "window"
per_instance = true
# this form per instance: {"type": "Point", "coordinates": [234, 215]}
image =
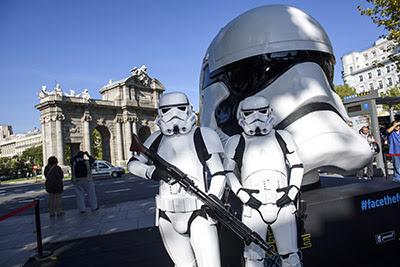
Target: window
{"type": "Point", "coordinates": [371, 86]}
{"type": "Point", "coordinates": [357, 59]}
{"type": "Point", "coordinates": [351, 69]}
{"type": "Point", "coordinates": [102, 166]}
{"type": "Point", "coordinates": [379, 72]}
{"type": "Point", "coordinates": [362, 88]}
{"type": "Point", "coordinates": [387, 69]}
{"type": "Point", "coordinates": [369, 75]}
{"type": "Point", "coordinates": [361, 78]}
{"type": "Point", "coordinates": [367, 64]}
{"type": "Point", "coordinates": [366, 56]}
{"type": "Point", "coordinates": [374, 53]}
{"type": "Point", "coordinates": [380, 84]}
{"type": "Point", "coordinates": [390, 82]}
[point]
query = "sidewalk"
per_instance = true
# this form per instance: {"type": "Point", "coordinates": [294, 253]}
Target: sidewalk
{"type": "Point", "coordinates": [18, 235]}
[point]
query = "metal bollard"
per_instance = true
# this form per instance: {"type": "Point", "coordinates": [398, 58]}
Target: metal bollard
{"type": "Point", "coordinates": [40, 252]}
{"type": "Point", "coordinates": [38, 229]}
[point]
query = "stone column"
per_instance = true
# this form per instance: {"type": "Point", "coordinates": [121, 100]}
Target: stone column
{"type": "Point", "coordinates": [43, 124]}
{"type": "Point", "coordinates": [125, 93]}
{"type": "Point", "coordinates": [155, 98]}
{"type": "Point", "coordinates": [118, 133]}
{"type": "Point", "coordinates": [49, 137]}
{"type": "Point", "coordinates": [128, 135]}
{"type": "Point", "coordinates": [134, 126]}
{"type": "Point", "coordinates": [86, 119]}
{"type": "Point", "coordinates": [59, 139]}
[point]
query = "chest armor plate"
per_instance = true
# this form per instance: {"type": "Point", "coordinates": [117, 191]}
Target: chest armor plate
{"type": "Point", "coordinates": [180, 151]}
{"type": "Point", "coordinates": [262, 153]}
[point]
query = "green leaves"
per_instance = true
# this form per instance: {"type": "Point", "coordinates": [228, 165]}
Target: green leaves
{"type": "Point", "coordinates": [344, 90]}
{"type": "Point", "coordinates": [385, 13]}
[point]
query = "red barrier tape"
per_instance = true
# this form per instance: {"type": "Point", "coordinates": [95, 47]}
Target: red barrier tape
{"type": "Point", "coordinates": [16, 211]}
{"type": "Point", "coordinates": [392, 155]}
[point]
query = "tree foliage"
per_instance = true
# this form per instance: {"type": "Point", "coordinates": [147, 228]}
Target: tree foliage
{"type": "Point", "coordinates": [34, 155]}
{"type": "Point", "coordinates": [344, 90]}
{"type": "Point", "coordinates": [97, 144]}
{"type": "Point", "coordinates": [22, 165]}
{"type": "Point", "coordinates": [393, 91]}
{"type": "Point", "coordinates": [385, 13]}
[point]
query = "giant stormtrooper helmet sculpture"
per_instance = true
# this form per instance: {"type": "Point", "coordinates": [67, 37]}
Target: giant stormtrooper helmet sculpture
{"type": "Point", "coordinates": [283, 54]}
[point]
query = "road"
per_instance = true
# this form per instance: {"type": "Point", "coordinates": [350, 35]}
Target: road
{"type": "Point", "coordinates": [109, 192]}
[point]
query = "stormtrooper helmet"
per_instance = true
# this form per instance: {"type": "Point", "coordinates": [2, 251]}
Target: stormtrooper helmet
{"type": "Point", "coordinates": [175, 114]}
{"type": "Point", "coordinates": [255, 116]}
{"type": "Point", "coordinates": [284, 55]}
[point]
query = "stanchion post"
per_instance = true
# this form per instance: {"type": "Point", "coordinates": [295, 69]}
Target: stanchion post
{"type": "Point", "coordinates": [38, 229]}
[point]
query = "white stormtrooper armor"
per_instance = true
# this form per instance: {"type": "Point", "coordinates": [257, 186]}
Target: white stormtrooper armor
{"type": "Point", "coordinates": [189, 235]}
{"type": "Point", "coordinates": [283, 54]}
{"type": "Point", "coordinates": [270, 175]}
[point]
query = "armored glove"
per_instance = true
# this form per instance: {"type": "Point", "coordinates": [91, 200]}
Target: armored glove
{"type": "Point", "coordinates": [245, 195]}
{"type": "Point", "coordinates": [156, 173]}
{"type": "Point", "coordinates": [289, 196]}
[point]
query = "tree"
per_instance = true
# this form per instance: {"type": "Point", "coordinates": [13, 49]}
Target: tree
{"type": "Point", "coordinates": [97, 145]}
{"type": "Point", "coordinates": [344, 90]}
{"type": "Point", "coordinates": [385, 13]}
{"type": "Point", "coordinates": [393, 91]}
{"type": "Point", "coordinates": [5, 166]}
{"type": "Point", "coordinates": [34, 155]}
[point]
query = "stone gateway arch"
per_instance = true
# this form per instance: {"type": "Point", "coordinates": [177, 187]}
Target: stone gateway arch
{"type": "Point", "coordinates": [68, 120]}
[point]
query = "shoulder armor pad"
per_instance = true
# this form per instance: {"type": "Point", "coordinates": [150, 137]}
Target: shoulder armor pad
{"type": "Point", "coordinates": [231, 145]}
{"type": "Point", "coordinates": [211, 140]}
{"type": "Point", "coordinates": [287, 137]}
{"type": "Point", "coordinates": [151, 139]}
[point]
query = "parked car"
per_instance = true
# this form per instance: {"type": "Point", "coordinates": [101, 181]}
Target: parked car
{"type": "Point", "coordinates": [105, 168]}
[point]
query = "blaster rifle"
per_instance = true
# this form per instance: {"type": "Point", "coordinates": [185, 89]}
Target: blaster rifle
{"type": "Point", "coordinates": [218, 209]}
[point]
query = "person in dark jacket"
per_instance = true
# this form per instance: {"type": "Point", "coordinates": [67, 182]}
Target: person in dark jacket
{"type": "Point", "coordinates": [54, 186]}
{"type": "Point", "coordinates": [83, 181]}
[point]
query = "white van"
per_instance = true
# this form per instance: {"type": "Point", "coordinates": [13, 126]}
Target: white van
{"type": "Point", "coordinates": [105, 168]}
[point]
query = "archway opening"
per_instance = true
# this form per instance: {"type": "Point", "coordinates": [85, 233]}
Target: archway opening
{"type": "Point", "coordinates": [101, 143]}
{"type": "Point", "coordinates": [144, 133]}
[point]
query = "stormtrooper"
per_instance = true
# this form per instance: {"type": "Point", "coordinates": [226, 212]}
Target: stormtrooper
{"type": "Point", "coordinates": [188, 233]}
{"type": "Point", "coordinates": [283, 54]}
{"type": "Point", "coordinates": [264, 171]}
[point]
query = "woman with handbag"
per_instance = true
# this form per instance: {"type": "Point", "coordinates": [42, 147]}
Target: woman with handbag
{"type": "Point", "coordinates": [54, 186]}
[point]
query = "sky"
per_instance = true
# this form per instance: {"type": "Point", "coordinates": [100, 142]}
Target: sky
{"type": "Point", "coordinates": [83, 44]}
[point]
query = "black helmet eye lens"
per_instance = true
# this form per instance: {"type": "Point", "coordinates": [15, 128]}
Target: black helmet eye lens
{"type": "Point", "coordinates": [247, 113]}
{"type": "Point", "coordinates": [249, 76]}
{"type": "Point", "coordinates": [165, 110]}
{"type": "Point", "coordinates": [182, 108]}
{"type": "Point", "coordinates": [263, 111]}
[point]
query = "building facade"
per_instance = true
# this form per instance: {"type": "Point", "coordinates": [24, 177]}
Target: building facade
{"type": "Point", "coordinates": [5, 132]}
{"type": "Point", "coordinates": [372, 69]}
{"type": "Point", "coordinates": [128, 106]}
{"type": "Point", "coordinates": [14, 145]}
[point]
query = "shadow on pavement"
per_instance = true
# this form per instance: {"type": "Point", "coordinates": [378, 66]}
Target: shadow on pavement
{"type": "Point", "coordinates": [132, 248]}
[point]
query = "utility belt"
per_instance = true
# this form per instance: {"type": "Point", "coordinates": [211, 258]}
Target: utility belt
{"type": "Point", "coordinates": [267, 187]}
{"type": "Point", "coordinates": [186, 204]}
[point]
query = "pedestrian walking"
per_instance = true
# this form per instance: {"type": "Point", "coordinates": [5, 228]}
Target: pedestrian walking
{"type": "Point", "coordinates": [54, 186]}
{"type": "Point", "coordinates": [83, 181]}
{"type": "Point", "coordinates": [394, 148]}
